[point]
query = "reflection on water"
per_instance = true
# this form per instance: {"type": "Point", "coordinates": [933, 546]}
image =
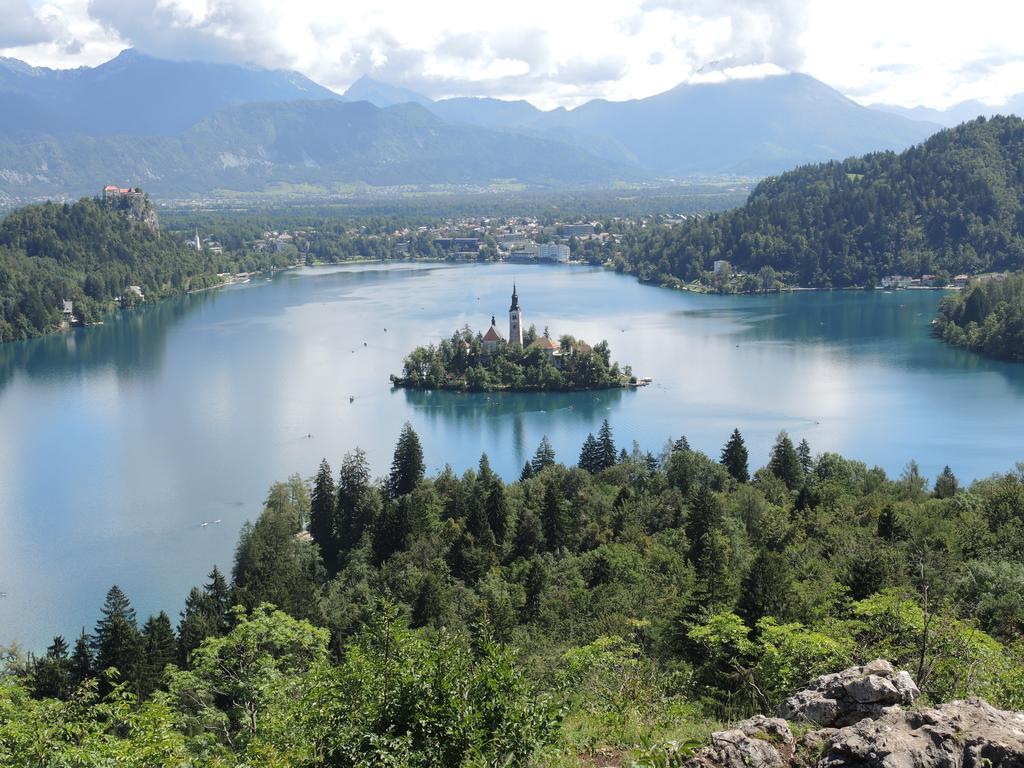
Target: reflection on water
{"type": "Point", "coordinates": [118, 441]}
{"type": "Point", "coordinates": [504, 414]}
{"type": "Point", "coordinates": [129, 343]}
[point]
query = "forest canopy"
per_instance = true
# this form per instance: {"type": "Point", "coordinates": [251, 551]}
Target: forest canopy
{"type": "Point", "coordinates": [988, 317]}
{"type": "Point", "coordinates": [89, 253]}
{"type": "Point", "coordinates": [622, 604]}
{"type": "Point", "coordinates": [952, 204]}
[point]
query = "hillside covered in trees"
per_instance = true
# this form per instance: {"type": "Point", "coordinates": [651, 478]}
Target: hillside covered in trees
{"type": "Point", "coordinates": [988, 317]}
{"type": "Point", "coordinates": [952, 204]}
{"type": "Point", "coordinates": [89, 253]}
{"type": "Point", "coordinates": [621, 606]}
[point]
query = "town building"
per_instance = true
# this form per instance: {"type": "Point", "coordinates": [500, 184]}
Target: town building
{"type": "Point", "coordinates": [550, 347]}
{"type": "Point", "coordinates": [553, 252]}
{"type": "Point", "coordinates": [577, 230]}
{"type": "Point", "coordinates": [492, 338]}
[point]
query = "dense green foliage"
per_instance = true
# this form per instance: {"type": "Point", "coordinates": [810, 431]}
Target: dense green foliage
{"type": "Point", "coordinates": [951, 204]}
{"type": "Point", "coordinates": [648, 596]}
{"type": "Point", "coordinates": [988, 317]}
{"type": "Point", "coordinates": [90, 253]}
{"type": "Point", "coordinates": [463, 363]}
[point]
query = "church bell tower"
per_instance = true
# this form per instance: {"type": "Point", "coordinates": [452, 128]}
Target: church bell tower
{"type": "Point", "coordinates": [515, 321]}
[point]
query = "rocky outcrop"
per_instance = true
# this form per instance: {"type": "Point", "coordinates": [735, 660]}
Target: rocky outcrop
{"type": "Point", "coordinates": [760, 742]}
{"type": "Point", "coordinates": [870, 727]}
{"type": "Point", "coordinates": [847, 697]}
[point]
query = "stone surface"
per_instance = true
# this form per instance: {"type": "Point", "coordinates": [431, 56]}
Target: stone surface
{"type": "Point", "coordinates": [760, 742]}
{"type": "Point", "coordinates": [844, 698]}
{"type": "Point", "coordinates": [957, 734]}
{"type": "Point", "coordinates": [870, 728]}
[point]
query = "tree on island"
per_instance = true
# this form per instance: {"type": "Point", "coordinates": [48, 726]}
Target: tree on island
{"type": "Point", "coordinates": [734, 457]}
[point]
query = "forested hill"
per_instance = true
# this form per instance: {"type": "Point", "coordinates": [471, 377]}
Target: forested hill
{"type": "Point", "coordinates": [954, 203]}
{"type": "Point", "coordinates": [89, 253]}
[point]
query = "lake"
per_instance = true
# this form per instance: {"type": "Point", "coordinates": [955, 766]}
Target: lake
{"type": "Point", "coordinates": [118, 441]}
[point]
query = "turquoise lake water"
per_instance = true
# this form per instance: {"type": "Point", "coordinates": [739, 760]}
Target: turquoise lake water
{"type": "Point", "coordinates": [117, 442]}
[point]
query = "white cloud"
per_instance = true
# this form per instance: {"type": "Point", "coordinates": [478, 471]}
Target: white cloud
{"type": "Point", "coordinates": [930, 52]}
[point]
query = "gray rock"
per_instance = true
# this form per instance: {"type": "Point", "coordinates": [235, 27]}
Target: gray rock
{"type": "Point", "coordinates": [869, 728]}
{"type": "Point", "coordinates": [844, 698]}
{"type": "Point", "coordinates": [760, 742]}
{"type": "Point", "coordinates": [960, 734]}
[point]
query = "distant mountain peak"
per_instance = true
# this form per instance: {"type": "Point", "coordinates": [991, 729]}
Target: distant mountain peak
{"type": "Point", "coordinates": [382, 94]}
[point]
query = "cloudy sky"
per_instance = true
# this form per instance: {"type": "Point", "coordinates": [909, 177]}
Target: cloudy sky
{"type": "Point", "coordinates": [556, 52]}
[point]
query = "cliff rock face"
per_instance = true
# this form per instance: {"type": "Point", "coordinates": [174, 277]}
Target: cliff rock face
{"type": "Point", "coordinates": [868, 726]}
{"type": "Point", "coordinates": [134, 204]}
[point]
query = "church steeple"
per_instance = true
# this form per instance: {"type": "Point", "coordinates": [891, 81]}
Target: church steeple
{"type": "Point", "coordinates": [515, 321]}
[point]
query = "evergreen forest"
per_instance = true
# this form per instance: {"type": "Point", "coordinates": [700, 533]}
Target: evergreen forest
{"type": "Point", "coordinates": [616, 605]}
{"type": "Point", "coordinates": [952, 204]}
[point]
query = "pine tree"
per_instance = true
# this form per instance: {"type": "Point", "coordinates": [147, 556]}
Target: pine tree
{"type": "Point", "coordinates": [407, 466]}
{"type": "Point", "coordinates": [536, 579]}
{"type": "Point", "coordinates": [529, 537]}
{"type": "Point", "coordinates": [706, 517]}
{"type": "Point", "coordinates": [116, 637]}
{"type": "Point", "coordinates": [219, 594]}
{"type": "Point", "coordinates": [351, 511]}
{"type": "Point", "coordinates": [544, 456]}
{"type": "Point", "coordinates": [607, 456]}
{"type": "Point", "coordinates": [784, 462]}
{"type": "Point", "coordinates": [496, 509]}
{"type": "Point", "coordinates": [734, 457]}
{"type": "Point", "coordinates": [82, 660]}
{"type": "Point", "coordinates": [804, 452]}
{"type": "Point", "coordinates": [196, 624]}
{"type": "Point", "coordinates": [946, 484]}
{"type": "Point", "coordinates": [321, 515]}
{"type": "Point", "coordinates": [52, 674]}
{"type": "Point", "coordinates": [588, 455]}
{"type": "Point", "coordinates": [556, 518]}
{"type": "Point", "coordinates": [767, 588]}
{"type": "Point", "coordinates": [159, 649]}
{"type": "Point", "coordinates": [681, 445]}
{"type": "Point", "coordinates": [527, 472]}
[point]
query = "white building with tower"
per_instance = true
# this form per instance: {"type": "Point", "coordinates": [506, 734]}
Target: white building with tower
{"type": "Point", "coordinates": [515, 321]}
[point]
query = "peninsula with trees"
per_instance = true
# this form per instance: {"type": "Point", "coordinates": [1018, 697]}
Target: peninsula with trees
{"type": "Point", "coordinates": [524, 362]}
{"type": "Point", "coordinates": [987, 317]}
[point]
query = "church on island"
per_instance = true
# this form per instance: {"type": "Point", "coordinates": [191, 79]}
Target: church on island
{"type": "Point", "coordinates": [493, 337]}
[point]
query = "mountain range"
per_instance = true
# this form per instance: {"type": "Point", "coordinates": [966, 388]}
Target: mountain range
{"type": "Point", "coordinates": [958, 113]}
{"type": "Point", "coordinates": [196, 128]}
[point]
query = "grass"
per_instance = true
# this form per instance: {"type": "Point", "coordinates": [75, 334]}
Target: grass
{"type": "Point", "coordinates": [661, 735]}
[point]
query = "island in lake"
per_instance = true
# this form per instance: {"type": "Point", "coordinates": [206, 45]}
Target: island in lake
{"type": "Point", "coordinates": [524, 362]}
